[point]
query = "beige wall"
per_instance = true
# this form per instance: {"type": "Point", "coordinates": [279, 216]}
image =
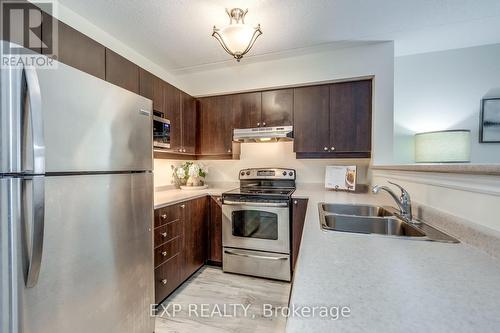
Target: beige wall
{"type": "Point", "coordinates": [472, 197]}
{"type": "Point", "coordinates": [262, 155]}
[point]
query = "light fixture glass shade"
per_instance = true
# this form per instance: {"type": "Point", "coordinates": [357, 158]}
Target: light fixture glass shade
{"type": "Point", "coordinates": [237, 38]}
{"type": "Point", "coordinates": [452, 146]}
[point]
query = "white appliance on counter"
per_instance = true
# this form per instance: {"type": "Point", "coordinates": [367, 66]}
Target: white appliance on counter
{"type": "Point", "coordinates": [76, 198]}
{"type": "Point", "coordinates": [341, 178]}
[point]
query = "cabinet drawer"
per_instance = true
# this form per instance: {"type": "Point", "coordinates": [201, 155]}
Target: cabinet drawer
{"type": "Point", "coordinates": [167, 232]}
{"type": "Point", "coordinates": [166, 251]}
{"type": "Point", "coordinates": [167, 214]}
{"type": "Point", "coordinates": [167, 277]}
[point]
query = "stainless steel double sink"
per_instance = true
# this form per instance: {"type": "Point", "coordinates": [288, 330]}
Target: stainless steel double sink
{"type": "Point", "coordinates": [367, 219]}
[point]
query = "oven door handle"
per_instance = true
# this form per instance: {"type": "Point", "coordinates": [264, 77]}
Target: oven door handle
{"type": "Point", "coordinates": [255, 204]}
{"type": "Point", "coordinates": [254, 256]}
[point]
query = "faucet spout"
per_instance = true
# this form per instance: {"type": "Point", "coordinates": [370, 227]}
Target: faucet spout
{"type": "Point", "coordinates": [403, 202]}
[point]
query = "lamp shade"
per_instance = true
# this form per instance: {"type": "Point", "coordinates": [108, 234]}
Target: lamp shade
{"type": "Point", "coordinates": [452, 146]}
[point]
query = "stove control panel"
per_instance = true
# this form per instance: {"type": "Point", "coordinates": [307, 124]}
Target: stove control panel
{"type": "Point", "coordinates": [270, 173]}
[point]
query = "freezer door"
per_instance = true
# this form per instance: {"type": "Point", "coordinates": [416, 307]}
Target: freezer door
{"type": "Point", "coordinates": [9, 219]}
{"type": "Point", "coordinates": [92, 125]}
{"type": "Point", "coordinates": [96, 273]}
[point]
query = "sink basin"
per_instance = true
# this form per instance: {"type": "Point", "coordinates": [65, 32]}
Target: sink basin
{"type": "Point", "coordinates": [367, 219]}
{"type": "Point", "coordinates": [356, 210]}
{"type": "Point", "coordinates": [370, 225]}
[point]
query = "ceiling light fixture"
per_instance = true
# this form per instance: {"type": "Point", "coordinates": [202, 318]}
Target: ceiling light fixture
{"type": "Point", "coordinates": [237, 38]}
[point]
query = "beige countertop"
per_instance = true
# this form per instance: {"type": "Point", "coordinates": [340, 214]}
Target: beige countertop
{"type": "Point", "coordinates": [390, 284]}
{"type": "Point", "coordinates": [167, 196]}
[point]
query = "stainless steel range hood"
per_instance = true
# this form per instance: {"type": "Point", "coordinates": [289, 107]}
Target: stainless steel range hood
{"type": "Point", "coordinates": [263, 134]}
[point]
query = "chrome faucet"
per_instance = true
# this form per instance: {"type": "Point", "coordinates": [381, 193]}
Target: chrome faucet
{"type": "Point", "coordinates": [403, 202]}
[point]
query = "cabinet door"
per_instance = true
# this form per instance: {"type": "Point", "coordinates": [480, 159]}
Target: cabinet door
{"type": "Point", "coordinates": [214, 255]}
{"type": "Point", "coordinates": [351, 116]}
{"type": "Point", "coordinates": [146, 84]}
{"type": "Point", "coordinates": [298, 218]}
{"type": "Point", "coordinates": [168, 277]}
{"type": "Point", "coordinates": [277, 107]}
{"type": "Point", "coordinates": [158, 99]}
{"type": "Point", "coordinates": [311, 119]}
{"type": "Point", "coordinates": [247, 108]}
{"type": "Point", "coordinates": [172, 110]}
{"type": "Point", "coordinates": [122, 72]}
{"type": "Point", "coordinates": [188, 123]}
{"type": "Point", "coordinates": [216, 125]}
{"type": "Point", "coordinates": [79, 51]}
{"type": "Point", "coordinates": [195, 235]}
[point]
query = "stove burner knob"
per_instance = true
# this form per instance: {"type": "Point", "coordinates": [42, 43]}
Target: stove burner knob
{"type": "Point", "coordinates": [284, 173]}
{"type": "Point", "coordinates": [248, 173]}
{"type": "Point", "coordinates": [290, 173]}
{"type": "Point", "coordinates": [242, 173]}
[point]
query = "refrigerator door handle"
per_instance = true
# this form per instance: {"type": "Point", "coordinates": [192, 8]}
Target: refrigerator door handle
{"type": "Point", "coordinates": [34, 211]}
{"type": "Point", "coordinates": [34, 103]}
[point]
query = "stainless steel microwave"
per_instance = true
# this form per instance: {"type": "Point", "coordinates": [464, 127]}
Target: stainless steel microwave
{"type": "Point", "coordinates": [161, 133]}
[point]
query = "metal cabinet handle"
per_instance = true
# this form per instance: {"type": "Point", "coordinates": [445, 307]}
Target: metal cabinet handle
{"type": "Point", "coordinates": [164, 281]}
{"type": "Point", "coordinates": [164, 216]}
{"type": "Point", "coordinates": [295, 202]}
{"type": "Point", "coordinates": [332, 149]}
{"type": "Point", "coordinates": [183, 206]}
{"type": "Point", "coordinates": [229, 150]}
{"type": "Point", "coordinates": [164, 253]}
{"type": "Point", "coordinates": [254, 256]}
{"type": "Point", "coordinates": [325, 148]}
{"type": "Point", "coordinates": [164, 234]}
{"type": "Point", "coordinates": [258, 124]}
{"type": "Point", "coordinates": [264, 124]}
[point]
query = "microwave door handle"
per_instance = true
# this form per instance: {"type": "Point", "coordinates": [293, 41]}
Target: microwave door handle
{"type": "Point", "coordinates": [33, 108]}
{"type": "Point", "coordinates": [255, 204]}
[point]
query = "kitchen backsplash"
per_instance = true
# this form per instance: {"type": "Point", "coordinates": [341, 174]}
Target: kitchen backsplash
{"type": "Point", "coordinates": [272, 154]}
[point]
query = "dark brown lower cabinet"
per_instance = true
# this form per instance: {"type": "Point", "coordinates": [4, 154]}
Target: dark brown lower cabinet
{"type": "Point", "coordinates": [214, 253]}
{"type": "Point", "coordinates": [195, 235]}
{"type": "Point", "coordinates": [299, 209]}
{"type": "Point", "coordinates": [167, 277]}
{"type": "Point", "coordinates": [180, 244]}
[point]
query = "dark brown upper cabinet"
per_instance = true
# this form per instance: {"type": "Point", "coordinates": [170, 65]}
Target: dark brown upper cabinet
{"type": "Point", "coordinates": [351, 116]}
{"type": "Point", "coordinates": [311, 119]}
{"type": "Point", "coordinates": [333, 120]}
{"type": "Point", "coordinates": [189, 129]}
{"type": "Point", "coordinates": [172, 111]}
{"type": "Point", "coordinates": [247, 109]}
{"type": "Point", "coordinates": [122, 72]}
{"type": "Point", "coordinates": [146, 84]}
{"type": "Point", "coordinates": [216, 121]}
{"type": "Point", "coordinates": [277, 108]}
{"type": "Point", "coordinates": [81, 52]}
{"type": "Point", "coordinates": [158, 102]}
{"type": "Point", "coordinates": [263, 109]}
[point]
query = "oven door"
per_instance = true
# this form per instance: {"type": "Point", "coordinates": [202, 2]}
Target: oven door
{"type": "Point", "coordinates": [256, 226]}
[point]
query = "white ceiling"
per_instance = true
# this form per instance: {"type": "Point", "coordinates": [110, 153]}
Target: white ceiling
{"type": "Point", "coordinates": [176, 34]}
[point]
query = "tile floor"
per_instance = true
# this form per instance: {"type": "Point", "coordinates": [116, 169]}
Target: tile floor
{"type": "Point", "coordinates": [202, 298]}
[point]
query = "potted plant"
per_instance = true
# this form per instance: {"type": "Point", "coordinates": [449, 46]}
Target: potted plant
{"type": "Point", "coordinates": [189, 175]}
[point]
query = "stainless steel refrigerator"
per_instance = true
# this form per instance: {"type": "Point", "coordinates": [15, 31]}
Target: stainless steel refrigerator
{"type": "Point", "coordinates": [76, 195]}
